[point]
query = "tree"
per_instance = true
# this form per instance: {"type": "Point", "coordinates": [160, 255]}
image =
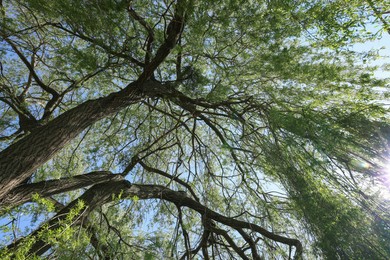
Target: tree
{"type": "Point", "coordinates": [176, 129]}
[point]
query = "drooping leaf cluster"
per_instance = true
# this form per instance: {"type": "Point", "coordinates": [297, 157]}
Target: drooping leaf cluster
{"type": "Point", "coordinates": [260, 111]}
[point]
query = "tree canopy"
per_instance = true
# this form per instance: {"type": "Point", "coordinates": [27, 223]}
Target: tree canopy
{"type": "Point", "coordinates": [191, 129]}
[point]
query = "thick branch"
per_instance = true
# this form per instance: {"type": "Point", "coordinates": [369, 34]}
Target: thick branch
{"type": "Point", "coordinates": [173, 32]}
{"type": "Point", "coordinates": [106, 192]}
{"type": "Point", "coordinates": [21, 159]}
{"type": "Point", "coordinates": [94, 197]}
{"type": "Point", "coordinates": [161, 192]}
{"type": "Point", "coordinates": [24, 193]}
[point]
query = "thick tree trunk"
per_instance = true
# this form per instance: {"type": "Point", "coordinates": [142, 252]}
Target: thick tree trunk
{"type": "Point", "coordinates": [20, 160]}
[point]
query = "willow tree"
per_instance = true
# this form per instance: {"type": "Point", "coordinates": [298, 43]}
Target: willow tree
{"type": "Point", "coordinates": [192, 129]}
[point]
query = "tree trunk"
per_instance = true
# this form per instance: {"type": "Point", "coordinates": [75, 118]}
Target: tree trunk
{"type": "Point", "coordinates": [20, 160]}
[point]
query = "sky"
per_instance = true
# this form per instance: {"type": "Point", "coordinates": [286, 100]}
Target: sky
{"type": "Point", "coordinates": [383, 44]}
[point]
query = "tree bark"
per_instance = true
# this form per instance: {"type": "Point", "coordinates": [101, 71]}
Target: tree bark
{"type": "Point", "coordinates": [20, 160]}
{"type": "Point", "coordinates": [106, 192]}
{"type": "Point", "coordinates": [95, 196]}
{"type": "Point", "coordinates": [44, 189]}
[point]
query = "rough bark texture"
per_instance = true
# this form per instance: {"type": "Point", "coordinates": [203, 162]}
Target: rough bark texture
{"type": "Point", "coordinates": [103, 193]}
{"type": "Point", "coordinates": [161, 192]}
{"type": "Point", "coordinates": [24, 193]}
{"type": "Point", "coordinates": [20, 160]}
{"type": "Point", "coordinates": [93, 197]}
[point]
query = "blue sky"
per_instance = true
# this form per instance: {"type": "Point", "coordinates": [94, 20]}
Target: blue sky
{"type": "Point", "coordinates": [383, 43]}
{"type": "Point", "coordinates": [23, 221]}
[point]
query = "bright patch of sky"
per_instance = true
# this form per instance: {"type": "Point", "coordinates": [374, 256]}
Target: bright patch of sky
{"type": "Point", "coordinates": [22, 222]}
{"type": "Point", "coordinates": [383, 45]}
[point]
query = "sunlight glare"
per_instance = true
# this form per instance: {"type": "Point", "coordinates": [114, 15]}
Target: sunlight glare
{"type": "Point", "coordinates": [386, 170]}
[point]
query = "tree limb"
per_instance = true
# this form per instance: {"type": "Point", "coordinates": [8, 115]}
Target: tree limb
{"type": "Point", "coordinates": [106, 192]}
{"type": "Point", "coordinates": [24, 193]}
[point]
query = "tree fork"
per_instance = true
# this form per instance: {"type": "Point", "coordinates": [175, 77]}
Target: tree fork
{"type": "Point", "coordinates": [20, 160]}
{"type": "Point", "coordinates": [108, 191]}
{"type": "Point", "coordinates": [45, 189]}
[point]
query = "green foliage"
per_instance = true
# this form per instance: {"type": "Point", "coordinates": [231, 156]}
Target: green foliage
{"type": "Point", "coordinates": [264, 110]}
{"type": "Point", "coordinates": [47, 204]}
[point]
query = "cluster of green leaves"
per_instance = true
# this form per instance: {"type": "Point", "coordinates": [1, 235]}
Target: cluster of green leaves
{"type": "Point", "coordinates": [302, 134]}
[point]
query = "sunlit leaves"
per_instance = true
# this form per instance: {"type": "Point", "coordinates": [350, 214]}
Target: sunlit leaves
{"type": "Point", "coordinates": [274, 120]}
